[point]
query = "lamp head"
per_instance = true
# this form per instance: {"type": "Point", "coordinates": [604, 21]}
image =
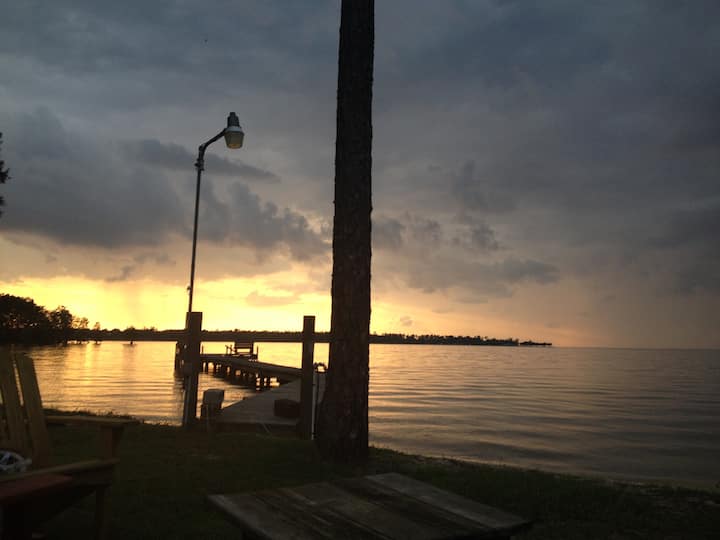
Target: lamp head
{"type": "Point", "coordinates": [233, 132]}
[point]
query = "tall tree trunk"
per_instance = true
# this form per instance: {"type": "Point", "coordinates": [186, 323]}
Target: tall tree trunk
{"type": "Point", "coordinates": [342, 430]}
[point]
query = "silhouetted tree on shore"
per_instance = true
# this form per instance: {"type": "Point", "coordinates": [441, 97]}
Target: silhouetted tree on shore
{"type": "Point", "coordinates": [23, 321]}
{"type": "Point", "coordinates": [342, 430]}
{"type": "Point", "coordinates": [21, 313]}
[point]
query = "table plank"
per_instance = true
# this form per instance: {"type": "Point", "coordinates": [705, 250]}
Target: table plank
{"type": "Point", "coordinates": [354, 511]}
{"type": "Point", "coordinates": [388, 506]}
{"type": "Point", "coordinates": [322, 517]}
{"type": "Point", "coordinates": [440, 522]}
{"type": "Point", "coordinates": [487, 515]}
{"type": "Point", "coordinates": [262, 520]}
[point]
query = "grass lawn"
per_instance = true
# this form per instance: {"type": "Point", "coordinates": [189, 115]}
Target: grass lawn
{"type": "Point", "coordinates": [166, 472]}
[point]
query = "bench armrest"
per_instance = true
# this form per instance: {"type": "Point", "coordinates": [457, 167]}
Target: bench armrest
{"type": "Point", "coordinates": [111, 429]}
{"type": "Point", "coordinates": [99, 421]}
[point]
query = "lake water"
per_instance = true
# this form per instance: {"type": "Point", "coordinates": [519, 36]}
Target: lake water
{"type": "Point", "coordinates": [633, 414]}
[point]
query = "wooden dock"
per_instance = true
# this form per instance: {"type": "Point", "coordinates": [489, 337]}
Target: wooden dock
{"type": "Point", "coordinates": [258, 411]}
{"type": "Point", "coordinates": [240, 364]}
{"type": "Point", "coordinates": [248, 370]}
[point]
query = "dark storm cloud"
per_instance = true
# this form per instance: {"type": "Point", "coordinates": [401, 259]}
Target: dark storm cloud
{"type": "Point", "coordinates": [425, 231]}
{"type": "Point", "coordinates": [129, 270]}
{"type": "Point", "coordinates": [387, 233]}
{"type": "Point", "coordinates": [416, 232]}
{"type": "Point", "coordinates": [75, 191]}
{"type": "Point", "coordinates": [176, 157]}
{"type": "Point", "coordinates": [698, 227]}
{"type": "Point", "coordinates": [476, 193]}
{"type": "Point", "coordinates": [498, 40]}
{"type": "Point", "coordinates": [242, 218]}
{"type": "Point", "coordinates": [587, 100]}
{"type": "Point", "coordinates": [390, 233]}
{"type": "Point", "coordinates": [698, 278]}
{"type": "Point", "coordinates": [150, 53]}
{"type": "Point", "coordinates": [601, 122]}
{"type": "Point", "coordinates": [480, 280]}
{"type": "Point", "coordinates": [416, 249]}
{"type": "Point", "coordinates": [584, 134]}
{"type": "Point", "coordinates": [690, 237]}
{"type": "Point", "coordinates": [126, 273]}
{"type": "Point", "coordinates": [476, 233]}
{"type": "Point", "coordinates": [483, 237]}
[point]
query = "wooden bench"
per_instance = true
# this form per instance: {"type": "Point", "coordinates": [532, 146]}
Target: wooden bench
{"type": "Point", "coordinates": [36, 495]}
{"type": "Point", "coordinates": [242, 348]}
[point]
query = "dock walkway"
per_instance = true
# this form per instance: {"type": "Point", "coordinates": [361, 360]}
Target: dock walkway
{"type": "Point", "coordinates": [258, 410]}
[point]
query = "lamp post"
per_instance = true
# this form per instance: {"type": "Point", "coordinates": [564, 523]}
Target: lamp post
{"type": "Point", "coordinates": [234, 136]}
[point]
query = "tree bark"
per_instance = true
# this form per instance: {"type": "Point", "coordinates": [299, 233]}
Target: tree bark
{"type": "Point", "coordinates": [342, 430]}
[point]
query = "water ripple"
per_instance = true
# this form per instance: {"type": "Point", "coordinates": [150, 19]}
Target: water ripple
{"type": "Point", "coordinates": [642, 414]}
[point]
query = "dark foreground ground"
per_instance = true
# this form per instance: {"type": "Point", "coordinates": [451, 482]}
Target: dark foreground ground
{"type": "Point", "coordinates": [166, 472]}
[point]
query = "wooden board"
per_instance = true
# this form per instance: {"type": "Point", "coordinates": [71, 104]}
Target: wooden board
{"type": "Point", "coordinates": [389, 506]}
{"type": "Point", "coordinates": [33, 411]}
{"type": "Point", "coordinates": [15, 436]}
{"type": "Point", "coordinates": [31, 487]}
{"type": "Point", "coordinates": [449, 501]}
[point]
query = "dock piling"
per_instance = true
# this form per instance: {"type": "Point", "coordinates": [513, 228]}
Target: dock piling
{"type": "Point", "coordinates": [191, 362]}
{"type": "Point", "coordinates": [306, 377]}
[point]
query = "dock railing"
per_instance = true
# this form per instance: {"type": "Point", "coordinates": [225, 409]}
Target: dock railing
{"type": "Point", "coordinates": [189, 361]}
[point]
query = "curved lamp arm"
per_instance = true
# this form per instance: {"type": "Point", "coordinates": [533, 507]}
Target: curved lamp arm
{"type": "Point", "coordinates": [200, 163]}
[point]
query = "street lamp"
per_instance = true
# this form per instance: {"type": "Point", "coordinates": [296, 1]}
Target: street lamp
{"type": "Point", "coordinates": [234, 136]}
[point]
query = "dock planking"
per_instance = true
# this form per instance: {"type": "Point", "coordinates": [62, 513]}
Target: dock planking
{"type": "Point", "coordinates": [258, 410]}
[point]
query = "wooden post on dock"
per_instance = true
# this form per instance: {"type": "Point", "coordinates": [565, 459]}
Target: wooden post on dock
{"type": "Point", "coordinates": [193, 327]}
{"type": "Point", "coordinates": [306, 377]}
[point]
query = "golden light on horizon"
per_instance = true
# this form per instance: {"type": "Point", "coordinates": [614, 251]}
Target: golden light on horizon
{"type": "Point", "coordinates": [279, 302]}
{"type": "Point", "coordinates": [246, 304]}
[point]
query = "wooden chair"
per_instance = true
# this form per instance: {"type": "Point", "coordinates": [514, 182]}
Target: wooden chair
{"type": "Point", "coordinates": [31, 497]}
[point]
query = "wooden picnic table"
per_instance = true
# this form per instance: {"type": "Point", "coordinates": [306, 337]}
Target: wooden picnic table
{"type": "Point", "coordinates": [389, 506]}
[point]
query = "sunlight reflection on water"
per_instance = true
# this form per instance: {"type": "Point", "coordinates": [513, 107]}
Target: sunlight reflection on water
{"type": "Point", "coordinates": [642, 414]}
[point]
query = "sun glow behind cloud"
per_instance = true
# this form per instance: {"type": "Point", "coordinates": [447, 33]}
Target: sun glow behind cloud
{"type": "Point", "coordinates": [142, 303]}
{"type": "Point", "coordinates": [246, 304]}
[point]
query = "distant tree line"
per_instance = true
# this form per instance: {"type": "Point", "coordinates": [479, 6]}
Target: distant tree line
{"type": "Point", "coordinates": [23, 321]}
{"type": "Point", "coordinates": [270, 336]}
{"type": "Point", "coordinates": [434, 339]}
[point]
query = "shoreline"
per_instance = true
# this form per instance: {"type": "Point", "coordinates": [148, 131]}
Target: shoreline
{"type": "Point", "coordinates": [713, 487]}
{"type": "Point", "coordinates": [430, 457]}
{"type": "Point", "coordinates": [165, 473]}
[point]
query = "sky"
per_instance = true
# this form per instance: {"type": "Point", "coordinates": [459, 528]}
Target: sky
{"type": "Point", "coordinates": [541, 170]}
